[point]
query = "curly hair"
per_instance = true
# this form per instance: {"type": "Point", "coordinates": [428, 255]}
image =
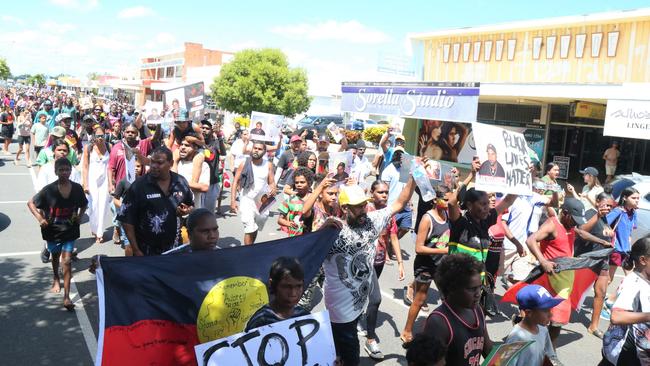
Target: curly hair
{"type": "Point", "coordinates": [303, 158]}
{"type": "Point", "coordinates": [302, 171]}
{"type": "Point", "coordinates": [455, 271]}
{"type": "Point", "coordinates": [425, 349]}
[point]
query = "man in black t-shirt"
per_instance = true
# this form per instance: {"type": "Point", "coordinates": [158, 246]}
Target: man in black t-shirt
{"type": "Point", "coordinates": [215, 148]}
{"type": "Point", "coordinates": [285, 163]}
{"type": "Point", "coordinates": [58, 207]}
{"type": "Point", "coordinates": [153, 206]}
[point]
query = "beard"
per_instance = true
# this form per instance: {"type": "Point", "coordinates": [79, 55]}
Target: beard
{"type": "Point", "coordinates": [357, 221]}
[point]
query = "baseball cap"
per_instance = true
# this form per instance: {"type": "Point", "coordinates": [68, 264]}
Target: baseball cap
{"type": "Point", "coordinates": [352, 195]}
{"type": "Point", "coordinates": [532, 297]}
{"type": "Point", "coordinates": [590, 170]}
{"type": "Point", "coordinates": [576, 209]}
{"type": "Point", "coordinates": [47, 102]}
{"type": "Point", "coordinates": [206, 122]}
{"type": "Point", "coordinates": [89, 117]}
{"type": "Point", "coordinates": [323, 138]}
{"type": "Point", "coordinates": [61, 116]}
{"type": "Point", "coordinates": [361, 144]}
{"type": "Point", "coordinates": [58, 131]}
{"type": "Point", "coordinates": [183, 115]}
{"type": "Point", "coordinates": [400, 137]}
{"type": "Point", "coordinates": [398, 148]}
{"type": "Point", "coordinates": [295, 138]}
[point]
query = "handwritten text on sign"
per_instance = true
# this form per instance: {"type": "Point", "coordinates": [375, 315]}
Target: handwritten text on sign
{"type": "Point", "coordinates": [306, 340]}
{"type": "Point", "coordinates": [504, 160]}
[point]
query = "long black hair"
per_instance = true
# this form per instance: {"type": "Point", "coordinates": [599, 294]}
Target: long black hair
{"type": "Point", "coordinates": [640, 248]}
{"type": "Point", "coordinates": [627, 192]}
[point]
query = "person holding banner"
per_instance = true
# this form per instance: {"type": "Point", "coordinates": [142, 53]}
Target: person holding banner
{"type": "Point", "coordinates": [183, 126]}
{"type": "Point", "coordinates": [349, 264]}
{"type": "Point", "coordinates": [286, 283]}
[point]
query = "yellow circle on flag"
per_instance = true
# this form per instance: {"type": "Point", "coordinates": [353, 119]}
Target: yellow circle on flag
{"type": "Point", "coordinates": [228, 306]}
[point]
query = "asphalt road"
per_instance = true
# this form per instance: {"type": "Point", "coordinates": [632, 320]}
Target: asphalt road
{"type": "Point", "coordinates": [36, 330]}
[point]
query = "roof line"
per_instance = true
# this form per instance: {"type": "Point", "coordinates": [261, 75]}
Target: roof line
{"type": "Point", "coordinates": [536, 23]}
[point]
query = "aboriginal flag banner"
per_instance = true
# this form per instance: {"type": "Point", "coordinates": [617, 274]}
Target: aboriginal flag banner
{"type": "Point", "coordinates": [571, 280]}
{"type": "Point", "coordinates": [154, 310]}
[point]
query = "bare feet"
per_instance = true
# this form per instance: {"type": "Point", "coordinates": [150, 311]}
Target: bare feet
{"type": "Point", "coordinates": [67, 303]}
{"type": "Point", "coordinates": [56, 286]}
{"type": "Point", "coordinates": [99, 240]}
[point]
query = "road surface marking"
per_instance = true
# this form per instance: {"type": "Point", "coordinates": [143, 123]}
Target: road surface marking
{"type": "Point", "coordinates": [80, 311]}
{"type": "Point", "coordinates": [19, 254]}
{"type": "Point", "coordinates": [1, 202]}
{"type": "Point", "coordinates": [14, 174]}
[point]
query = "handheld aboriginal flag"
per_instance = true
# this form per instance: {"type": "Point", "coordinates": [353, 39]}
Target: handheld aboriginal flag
{"type": "Point", "coordinates": [154, 310]}
{"type": "Point", "coordinates": [571, 280]}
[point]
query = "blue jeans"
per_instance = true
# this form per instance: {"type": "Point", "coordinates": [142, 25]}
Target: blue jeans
{"type": "Point", "coordinates": [56, 247]}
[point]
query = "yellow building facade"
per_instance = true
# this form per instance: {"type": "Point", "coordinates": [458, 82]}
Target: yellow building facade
{"type": "Point", "coordinates": [556, 73]}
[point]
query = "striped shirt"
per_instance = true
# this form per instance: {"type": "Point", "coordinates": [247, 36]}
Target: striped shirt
{"type": "Point", "coordinates": [292, 210]}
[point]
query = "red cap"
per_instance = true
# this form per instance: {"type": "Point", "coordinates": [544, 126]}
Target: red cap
{"type": "Point", "coordinates": [295, 138]}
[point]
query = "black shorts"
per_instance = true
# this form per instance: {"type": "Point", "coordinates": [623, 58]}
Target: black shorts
{"type": "Point", "coordinates": [7, 131]}
{"type": "Point", "coordinates": [24, 140]}
{"type": "Point", "coordinates": [424, 268]}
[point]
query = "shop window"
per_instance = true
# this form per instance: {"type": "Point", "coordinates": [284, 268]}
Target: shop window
{"type": "Point", "coordinates": [518, 113]}
{"type": "Point", "coordinates": [580, 44]}
{"type": "Point", "coordinates": [559, 113]}
{"type": "Point", "coordinates": [612, 43]}
{"type": "Point", "coordinates": [169, 72]}
{"type": "Point", "coordinates": [596, 40]}
{"type": "Point", "coordinates": [486, 111]}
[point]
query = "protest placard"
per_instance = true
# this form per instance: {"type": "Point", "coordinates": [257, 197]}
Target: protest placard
{"type": "Point", "coordinates": [152, 112]}
{"type": "Point", "coordinates": [432, 168]}
{"type": "Point", "coordinates": [339, 165]}
{"type": "Point", "coordinates": [563, 163]}
{"type": "Point", "coordinates": [189, 97]}
{"type": "Point", "coordinates": [86, 103]}
{"type": "Point", "coordinates": [505, 353]}
{"type": "Point", "coordinates": [336, 133]}
{"type": "Point", "coordinates": [505, 158]}
{"type": "Point", "coordinates": [306, 340]}
{"type": "Point", "coordinates": [266, 127]}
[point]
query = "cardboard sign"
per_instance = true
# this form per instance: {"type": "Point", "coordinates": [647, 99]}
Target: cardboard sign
{"type": "Point", "coordinates": [505, 353]}
{"type": "Point", "coordinates": [86, 103]}
{"type": "Point", "coordinates": [336, 133]}
{"type": "Point", "coordinates": [190, 97]}
{"type": "Point", "coordinates": [266, 127]}
{"type": "Point", "coordinates": [505, 158]}
{"type": "Point", "coordinates": [306, 340]}
{"type": "Point", "coordinates": [152, 112]}
{"type": "Point", "coordinates": [340, 164]}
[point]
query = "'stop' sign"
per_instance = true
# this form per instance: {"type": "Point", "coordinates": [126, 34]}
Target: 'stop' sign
{"type": "Point", "coordinates": [456, 102]}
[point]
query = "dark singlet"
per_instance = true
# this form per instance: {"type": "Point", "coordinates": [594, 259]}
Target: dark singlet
{"type": "Point", "coordinates": [466, 340]}
{"type": "Point", "coordinates": [437, 238]}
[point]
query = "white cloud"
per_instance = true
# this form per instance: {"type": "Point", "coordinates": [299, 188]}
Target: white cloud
{"type": "Point", "coordinates": [11, 19]}
{"type": "Point", "coordinates": [135, 12]}
{"type": "Point", "coordinates": [114, 42]}
{"type": "Point", "coordinates": [351, 31]}
{"type": "Point", "coordinates": [76, 4]}
{"type": "Point", "coordinates": [165, 38]}
{"type": "Point", "coordinates": [59, 28]}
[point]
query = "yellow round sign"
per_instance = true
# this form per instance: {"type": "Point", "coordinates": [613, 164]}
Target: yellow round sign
{"type": "Point", "coordinates": [228, 306]}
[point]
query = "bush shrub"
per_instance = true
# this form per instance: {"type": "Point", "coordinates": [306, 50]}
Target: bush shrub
{"type": "Point", "coordinates": [373, 134]}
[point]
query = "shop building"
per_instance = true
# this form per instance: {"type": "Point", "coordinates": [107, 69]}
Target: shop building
{"type": "Point", "coordinates": [553, 79]}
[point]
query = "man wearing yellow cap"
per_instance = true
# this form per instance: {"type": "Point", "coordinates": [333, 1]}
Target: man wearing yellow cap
{"type": "Point", "coordinates": [349, 265]}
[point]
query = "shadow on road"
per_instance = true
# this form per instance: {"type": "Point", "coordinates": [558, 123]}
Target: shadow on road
{"type": "Point", "coordinates": [5, 221]}
{"type": "Point", "coordinates": [42, 331]}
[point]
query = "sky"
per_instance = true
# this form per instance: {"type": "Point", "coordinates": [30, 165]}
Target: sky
{"type": "Point", "coordinates": [333, 40]}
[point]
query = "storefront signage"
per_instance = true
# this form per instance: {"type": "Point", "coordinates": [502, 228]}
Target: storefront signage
{"type": "Point", "coordinates": [588, 110]}
{"type": "Point", "coordinates": [628, 118]}
{"type": "Point", "coordinates": [457, 102]}
{"type": "Point", "coordinates": [563, 163]}
{"type": "Point", "coordinates": [166, 63]}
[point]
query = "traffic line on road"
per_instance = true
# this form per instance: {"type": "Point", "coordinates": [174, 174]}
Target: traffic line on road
{"type": "Point", "coordinates": [1, 202]}
{"type": "Point", "coordinates": [19, 254]}
{"type": "Point", "coordinates": [1, 174]}
{"type": "Point", "coordinates": [32, 172]}
{"type": "Point", "coordinates": [84, 322]}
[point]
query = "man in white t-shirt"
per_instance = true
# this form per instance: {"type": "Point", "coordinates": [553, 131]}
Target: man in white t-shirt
{"type": "Point", "coordinates": [361, 167]}
{"type": "Point", "coordinates": [349, 264]}
{"type": "Point", "coordinates": [240, 149]}
{"type": "Point", "coordinates": [522, 220]}
{"type": "Point", "coordinates": [390, 175]}
{"type": "Point", "coordinates": [195, 171]}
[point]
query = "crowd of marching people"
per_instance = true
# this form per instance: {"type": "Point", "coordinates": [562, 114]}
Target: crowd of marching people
{"type": "Point", "coordinates": [161, 183]}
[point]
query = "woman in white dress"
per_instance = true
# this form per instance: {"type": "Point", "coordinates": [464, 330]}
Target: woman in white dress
{"type": "Point", "coordinates": [95, 182]}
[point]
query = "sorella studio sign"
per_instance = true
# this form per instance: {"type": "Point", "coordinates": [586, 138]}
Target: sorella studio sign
{"type": "Point", "coordinates": [628, 118]}
{"type": "Point", "coordinates": [456, 102]}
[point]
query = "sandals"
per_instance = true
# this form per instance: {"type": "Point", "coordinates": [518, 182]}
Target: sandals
{"type": "Point", "coordinates": [69, 306]}
{"type": "Point", "coordinates": [596, 333]}
{"type": "Point", "coordinates": [405, 342]}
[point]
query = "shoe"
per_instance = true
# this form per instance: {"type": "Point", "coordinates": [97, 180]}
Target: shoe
{"type": "Point", "coordinates": [608, 305]}
{"type": "Point", "coordinates": [425, 307]}
{"type": "Point", "coordinates": [596, 333]}
{"type": "Point", "coordinates": [372, 348]}
{"type": "Point", "coordinates": [45, 255]}
{"type": "Point", "coordinates": [360, 331]}
{"type": "Point", "coordinates": [605, 314]}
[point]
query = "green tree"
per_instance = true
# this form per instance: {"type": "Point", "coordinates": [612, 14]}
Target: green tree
{"type": "Point", "coordinates": [262, 81]}
{"type": "Point", "coordinates": [38, 79]}
{"type": "Point", "coordinates": [5, 72]}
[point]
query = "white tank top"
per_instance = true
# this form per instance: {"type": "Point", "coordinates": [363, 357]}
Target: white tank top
{"type": "Point", "coordinates": [261, 174]}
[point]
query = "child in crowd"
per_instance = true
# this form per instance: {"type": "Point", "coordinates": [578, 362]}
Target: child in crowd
{"type": "Point", "coordinates": [425, 350]}
{"type": "Point", "coordinates": [286, 283]}
{"type": "Point", "coordinates": [118, 197]}
{"type": "Point", "coordinates": [291, 220]}
{"type": "Point", "coordinates": [536, 303]}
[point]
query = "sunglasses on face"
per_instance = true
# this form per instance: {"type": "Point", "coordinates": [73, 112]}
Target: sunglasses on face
{"type": "Point", "coordinates": [399, 143]}
{"type": "Point", "coordinates": [99, 136]}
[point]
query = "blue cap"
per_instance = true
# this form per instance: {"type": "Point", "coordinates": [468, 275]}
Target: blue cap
{"type": "Point", "coordinates": [183, 115]}
{"type": "Point", "coordinates": [533, 297]}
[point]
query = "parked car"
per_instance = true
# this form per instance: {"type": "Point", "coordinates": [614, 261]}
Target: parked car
{"type": "Point", "coordinates": [355, 125]}
{"type": "Point", "coordinates": [642, 184]}
{"type": "Point", "coordinates": [319, 123]}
